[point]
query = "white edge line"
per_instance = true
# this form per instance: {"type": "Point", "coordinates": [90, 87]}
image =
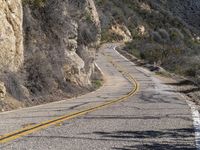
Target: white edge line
{"type": "Point", "coordinates": [194, 111]}
{"type": "Point", "coordinates": [196, 122]}
{"type": "Point", "coordinates": [99, 68]}
{"type": "Point", "coordinates": [140, 69]}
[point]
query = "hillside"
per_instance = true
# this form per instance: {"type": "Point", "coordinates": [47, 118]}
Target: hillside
{"type": "Point", "coordinates": [187, 10]}
{"type": "Point", "coordinates": [100, 74]}
{"type": "Point", "coordinates": [47, 50]}
{"type": "Point", "coordinates": [163, 32]}
{"type": "Point", "coordinates": [48, 47]}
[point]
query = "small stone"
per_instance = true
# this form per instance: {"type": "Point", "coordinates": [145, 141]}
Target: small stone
{"type": "Point", "coordinates": [2, 91]}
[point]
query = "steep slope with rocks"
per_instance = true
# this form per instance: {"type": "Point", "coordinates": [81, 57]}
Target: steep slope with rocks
{"type": "Point", "coordinates": [11, 38]}
{"type": "Point", "coordinates": [164, 32]}
{"type": "Point", "coordinates": [50, 56]}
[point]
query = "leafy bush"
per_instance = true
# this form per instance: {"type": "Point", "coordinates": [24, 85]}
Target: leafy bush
{"type": "Point", "coordinates": [87, 33]}
{"type": "Point", "coordinates": [37, 3]}
{"type": "Point", "coordinates": [155, 36]}
{"type": "Point", "coordinates": [175, 34]}
{"type": "Point", "coordinates": [97, 83]}
{"type": "Point", "coordinates": [110, 36]}
{"type": "Point", "coordinates": [131, 48]}
{"type": "Point", "coordinates": [164, 34]}
{"type": "Point", "coordinates": [39, 74]}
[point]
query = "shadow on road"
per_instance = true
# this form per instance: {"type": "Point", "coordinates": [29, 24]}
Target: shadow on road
{"type": "Point", "coordinates": [151, 140]}
{"type": "Point", "coordinates": [177, 133]}
{"type": "Point", "coordinates": [177, 139]}
{"type": "Point", "coordinates": [156, 146]}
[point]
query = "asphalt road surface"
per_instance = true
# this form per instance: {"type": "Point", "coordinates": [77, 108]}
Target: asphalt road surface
{"type": "Point", "coordinates": [156, 117]}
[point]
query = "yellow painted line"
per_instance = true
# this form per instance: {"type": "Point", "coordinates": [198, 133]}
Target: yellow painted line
{"type": "Point", "coordinates": [30, 129]}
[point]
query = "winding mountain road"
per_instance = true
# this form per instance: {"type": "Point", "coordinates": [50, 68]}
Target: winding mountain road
{"type": "Point", "coordinates": [132, 110]}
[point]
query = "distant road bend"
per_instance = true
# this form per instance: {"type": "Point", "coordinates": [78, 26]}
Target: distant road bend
{"type": "Point", "coordinates": [132, 110]}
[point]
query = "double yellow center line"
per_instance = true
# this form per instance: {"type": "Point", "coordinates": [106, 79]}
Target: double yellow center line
{"type": "Point", "coordinates": [33, 128]}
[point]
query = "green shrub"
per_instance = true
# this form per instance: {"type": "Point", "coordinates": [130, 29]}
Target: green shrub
{"type": "Point", "coordinates": [96, 83]}
{"type": "Point", "coordinates": [107, 36]}
{"type": "Point", "coordinates": [36, 3]}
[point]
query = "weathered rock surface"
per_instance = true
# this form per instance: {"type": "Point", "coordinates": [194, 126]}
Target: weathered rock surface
{"type": "Point", "coordinates": [122, 31]}
{"type": "Point", "coordinates": [61, 31]}
{"type": "Point", "coordinates": [11, 38]}
{"type": "Point", "coordinates": [2, 91]}
{"type": "Point", "coordinates": [47, 47]}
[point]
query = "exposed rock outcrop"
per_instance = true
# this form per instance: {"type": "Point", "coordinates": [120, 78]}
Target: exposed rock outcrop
{"type": "Point", "coordinates": [2, 91]}
{"type": "Point", "coordinates": [63, 32]}
{"type": "Point", "coordinates": [122, 31]}
{"type": "Point", "coordinates": [55, 53]}
{"type": "Point", "coordinates": [11, 38]}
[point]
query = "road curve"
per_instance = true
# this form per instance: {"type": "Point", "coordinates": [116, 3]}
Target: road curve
{"type": "Point", "coordinates": [155, 118]}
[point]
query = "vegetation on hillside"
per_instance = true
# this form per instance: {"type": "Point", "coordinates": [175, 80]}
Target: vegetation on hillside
{"type": "Point", "coordinates": [159, 35]}
{"type": "Point", "coordinates": [37, 3]}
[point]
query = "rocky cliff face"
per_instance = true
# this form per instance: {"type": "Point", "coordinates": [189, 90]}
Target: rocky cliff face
{"type": "Point", "coordinates": [60, 39]}
{"type": "Point", "coordinates": [63, 34]}
{"type": "Point", "coordinates": [11, 39]}
{"type": "Point", "coordinates": [48, 47]}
